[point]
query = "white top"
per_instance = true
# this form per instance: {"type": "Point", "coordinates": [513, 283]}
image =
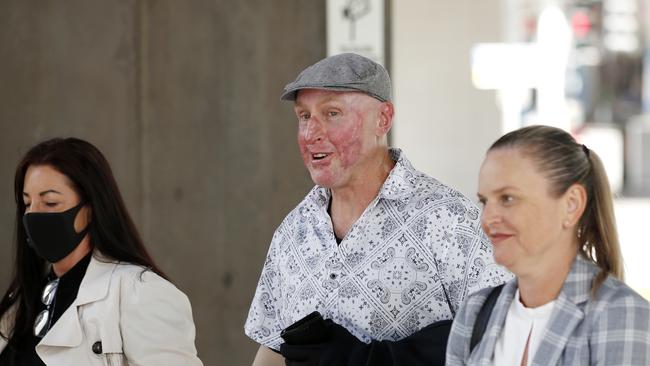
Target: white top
{"type": "Point", "coordinates": [410, 260]}
{"type": "Point", "coordinates": [520, 323]}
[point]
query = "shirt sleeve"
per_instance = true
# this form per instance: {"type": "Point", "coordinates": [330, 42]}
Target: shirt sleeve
{"type": "Point", "coordinates": [263, 324]}
{"type": "Point", "coordinates": [156, 323]}
{"type": "Point", "coordinates": [468, 264]}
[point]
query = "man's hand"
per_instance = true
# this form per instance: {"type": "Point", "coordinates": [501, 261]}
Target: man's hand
{"type": "Point", "coordinates": [424, 347]}
{"type": "Point", "coordinates": [341, 349]}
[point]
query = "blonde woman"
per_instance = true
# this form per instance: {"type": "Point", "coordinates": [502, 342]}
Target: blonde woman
{"type": "Point", "coordinates": [547, 209]}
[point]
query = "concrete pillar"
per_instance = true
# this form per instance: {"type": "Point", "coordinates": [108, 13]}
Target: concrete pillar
{"type": "Point", "coordinates": [183, 99]}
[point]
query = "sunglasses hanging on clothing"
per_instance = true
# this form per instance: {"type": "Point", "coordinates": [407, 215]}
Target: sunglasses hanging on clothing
{"type": "Point", "coordinates": [44, 318]}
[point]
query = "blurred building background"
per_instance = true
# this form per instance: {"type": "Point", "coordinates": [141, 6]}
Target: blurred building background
{"type": "Point", "coordinates": [183, 98]}
{"type": "Point", "coordinates": [466, 72]}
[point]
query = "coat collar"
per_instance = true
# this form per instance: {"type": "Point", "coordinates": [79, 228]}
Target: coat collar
{"type": "Point", "coordinates": [568, 311]}
{"type": "Point", "coordinates": [67, 332]}
{"type": "Point", "coordinates": [577, 286]}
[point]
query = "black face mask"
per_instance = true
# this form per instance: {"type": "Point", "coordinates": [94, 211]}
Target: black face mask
{"type": "Point", "coordinates": [52, 234]}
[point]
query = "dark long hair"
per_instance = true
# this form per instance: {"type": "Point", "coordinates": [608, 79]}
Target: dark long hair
{"type": "Point", "coordinates": [564, 162]}
{"type": "Point", "coordinates": [111, 228]}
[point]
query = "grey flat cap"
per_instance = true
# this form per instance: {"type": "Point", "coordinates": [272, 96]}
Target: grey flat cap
{"type": "Point", "coordinates": [344, 72]}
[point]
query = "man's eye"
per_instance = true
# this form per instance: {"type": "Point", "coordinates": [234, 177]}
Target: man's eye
{"type": "Point", "coordinates": [304, 116]}
{"type": "Point", "coordinates": [27, 204]}
{"type": "Point", "coordinates": [333, 113]}
{"type": "Point", "coordinates": [51, 204]}
{"type": "Point", "coordinates": [507, 200]}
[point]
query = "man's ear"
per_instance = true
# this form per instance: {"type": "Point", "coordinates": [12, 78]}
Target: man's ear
{"type": "Point", "coordinates": [575, 202]}
{"type": "Point", "coordinates": [386, 112]}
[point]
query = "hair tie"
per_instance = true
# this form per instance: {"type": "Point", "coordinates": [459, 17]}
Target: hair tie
{"type": "Point", "coordinates": [586, 150]}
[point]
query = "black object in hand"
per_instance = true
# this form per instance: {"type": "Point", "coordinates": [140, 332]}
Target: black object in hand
{"type": "Point", "coordinates": [339, 348]}
{"type": "Point", "coordinates": [425, 347]}
{"type": "Point", "coordinates": [309, 330]}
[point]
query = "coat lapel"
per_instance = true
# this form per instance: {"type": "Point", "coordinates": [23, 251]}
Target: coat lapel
{"type": "Point", "coordinates": [567, 314]}
{"type": "Point", "coordinates": [484, 351]}
{"type": "Point", "coordinates": [67, 331]}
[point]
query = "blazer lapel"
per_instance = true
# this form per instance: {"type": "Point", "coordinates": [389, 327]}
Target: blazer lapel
{"type": "Point", "coordinates": [484, 350]}
{"type": "Point", "coordinates": [67, 332]}
{"type": "Point", "coordinates": [567, 314]}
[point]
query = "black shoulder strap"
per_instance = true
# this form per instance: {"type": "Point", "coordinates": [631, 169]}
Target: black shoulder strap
{"type": "Point", "coordinates": [483, 317]}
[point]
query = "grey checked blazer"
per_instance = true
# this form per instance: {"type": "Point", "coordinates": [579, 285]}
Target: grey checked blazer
{"type": "Point", "coordinates": [611, 329]}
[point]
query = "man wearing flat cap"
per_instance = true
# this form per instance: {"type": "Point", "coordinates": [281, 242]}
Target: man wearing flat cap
{"type": "Point", "coordinates": [384, 253]}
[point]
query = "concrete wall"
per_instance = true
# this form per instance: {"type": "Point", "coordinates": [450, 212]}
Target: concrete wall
{"type": "Point", "coordinates": [442, 122]}
{"type": "Point", "coordinates": [183, 99]}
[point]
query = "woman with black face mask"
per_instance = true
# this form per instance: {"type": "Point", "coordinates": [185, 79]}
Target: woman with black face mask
{"type": "Point", "coordinates": [85, 290]}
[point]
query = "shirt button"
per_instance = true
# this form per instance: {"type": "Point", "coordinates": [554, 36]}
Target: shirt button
{"type": "Point", "coordinates": [97, 348]}
{"type": "Point", "coordinates": [333, 276]}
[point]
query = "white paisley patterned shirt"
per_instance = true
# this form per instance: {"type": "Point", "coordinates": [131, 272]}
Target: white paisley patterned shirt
{"type": "Point", "coordinates": [410, 260]}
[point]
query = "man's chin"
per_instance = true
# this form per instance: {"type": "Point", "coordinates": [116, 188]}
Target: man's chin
{"type": "Point", "coordinates": [325, 182]}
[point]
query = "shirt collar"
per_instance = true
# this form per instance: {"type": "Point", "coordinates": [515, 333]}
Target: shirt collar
{"type": "Point", "coordinates": [399, 185]}
{"type": "Point", "coordinates": [402, 180]}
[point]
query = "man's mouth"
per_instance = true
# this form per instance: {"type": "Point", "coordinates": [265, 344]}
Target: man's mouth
{"type": "Point", "coordinates": [319, 156]}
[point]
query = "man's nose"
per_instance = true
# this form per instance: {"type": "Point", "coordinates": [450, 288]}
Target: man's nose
{"type": "Point", "coordinates": [314, 130]}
